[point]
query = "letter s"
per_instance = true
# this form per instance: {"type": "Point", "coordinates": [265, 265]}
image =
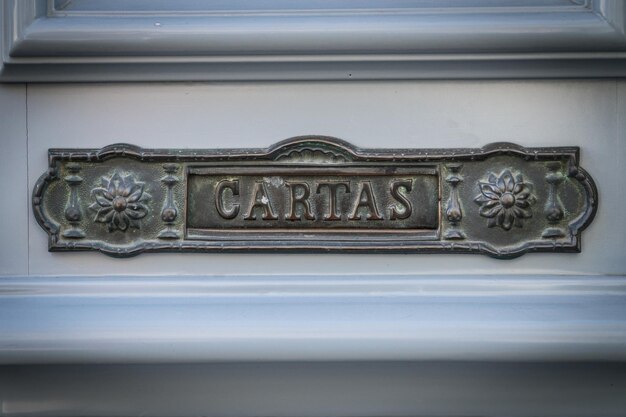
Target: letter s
{"type": "Point", "coordinates": [402, 199]}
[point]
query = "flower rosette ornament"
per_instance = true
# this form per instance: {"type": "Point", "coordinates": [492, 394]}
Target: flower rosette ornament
{"type": "Point", "coordinates": [505, 200]}
{"type": "Point", "coordinates": [120, 202]}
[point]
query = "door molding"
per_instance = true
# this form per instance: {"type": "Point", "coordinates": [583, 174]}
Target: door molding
{"type": "Point", "coordinates": [191, 319]}
{"type": "Point", "coordinates": [522, 40]}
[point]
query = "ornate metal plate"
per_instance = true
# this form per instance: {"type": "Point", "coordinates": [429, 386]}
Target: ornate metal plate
{"type": "Point", "coordinates": [315, 194]}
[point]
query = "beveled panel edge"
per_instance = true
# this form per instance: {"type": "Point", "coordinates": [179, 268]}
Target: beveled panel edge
{"type": "Point", "coordinates": [562, 318]}
{"type": "Point", "coordinates": [335, 148]}
{"type": "Point", "coordinates": [584, 40]}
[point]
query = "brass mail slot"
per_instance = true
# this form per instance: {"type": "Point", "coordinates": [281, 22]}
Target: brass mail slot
{"type": "Point", "coordinates": [316, 194]}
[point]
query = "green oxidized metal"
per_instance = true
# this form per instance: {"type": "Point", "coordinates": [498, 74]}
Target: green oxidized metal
{"type": "Point", "coordinates": [316, 194]}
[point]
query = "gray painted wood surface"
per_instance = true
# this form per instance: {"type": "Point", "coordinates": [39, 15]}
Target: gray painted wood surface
{"type": "Point", "coordinates": [330, 335]}
{"type": "Point", "coordinates": [327, 389]}
{"type": "Point", "coordinates": [383, 114]}
{"type": "Point", "coordinates": [14, 184]}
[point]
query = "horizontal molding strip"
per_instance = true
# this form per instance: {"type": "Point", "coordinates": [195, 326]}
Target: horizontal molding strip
{"type": "Point", "coordinates": [326, 70]}
{"type": "Point", "coordinates": [316, 34]}
{"type": "Point", "coordinates": [111, 319]}
{"type": "Point", "coordinates": [46, 45]}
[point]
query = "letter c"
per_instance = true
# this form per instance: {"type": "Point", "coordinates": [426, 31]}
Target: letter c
{"type": "Point", "coordinates": [219, 202]}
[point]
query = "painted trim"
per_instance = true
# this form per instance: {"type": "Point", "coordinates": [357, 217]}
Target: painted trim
{"type": "Point", "coordinates": [578, 40]}
{"type": "Point", "coordinates": [111, 319]}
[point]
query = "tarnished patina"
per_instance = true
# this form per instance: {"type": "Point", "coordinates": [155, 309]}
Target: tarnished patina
{"type": "Point", "coordinates": [316, 194]}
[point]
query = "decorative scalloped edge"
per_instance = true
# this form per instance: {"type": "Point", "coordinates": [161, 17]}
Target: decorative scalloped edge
{"type": "Point", "coordinates": [328, 146]}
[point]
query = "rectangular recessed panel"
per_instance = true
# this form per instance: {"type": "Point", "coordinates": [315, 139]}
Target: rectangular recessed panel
{"type": "Point", "coordinates": [298, 199]}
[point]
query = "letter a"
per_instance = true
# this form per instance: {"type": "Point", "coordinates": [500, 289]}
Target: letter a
{"type": "Point", "coordinates": [366, 200]}
{"type": "Point", "coordinates": [260, 200]}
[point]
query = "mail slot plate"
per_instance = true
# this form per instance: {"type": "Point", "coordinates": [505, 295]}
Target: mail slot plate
{"type": "Point", "coordinates": [316, 194]}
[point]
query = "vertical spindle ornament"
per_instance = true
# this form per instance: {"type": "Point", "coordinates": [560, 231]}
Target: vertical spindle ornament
{"type": "Point", "coordinates": [169, 212]}
{"type": "Point", "coordinates": [72, 213]}
{"type": "Point", "coordinates": [553, 209]}
{"type": "Point", "coordinates": [454, 212]}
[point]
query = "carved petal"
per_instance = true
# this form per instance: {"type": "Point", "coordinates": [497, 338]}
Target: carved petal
{"type": "Point", "coordinates": [490, 212]}
{"type": "Point", "coordinates": [522, 213]}
{"type": "Point", "coordinates": [500, 217]}
{"type": "Point", "coordinates": [492, 178]}
{"type": "Point", "coordinates": [120, 220]}
{"type": "Point", "coordinates": [523, 193]}
{"type": "Point", "coordinates": [507, 221]}
{"type": "Point", "coordinates": [500, 184]}
{"type": "Point", "coordinates": [481, 199]}
{"type": "Point", "coordinates": [137, 206]}
{"type": "Point", "coordinates": [136, 214]}
{"type": "Point", "coordinates": [135, 193]}
{"type": "Point", "coordinates": [127, 186]}
{"type": "Point", "coordinates": [491, 191]}
{"type": "Point", "coordinates": [104, 215]}
{"type": "Point", "coordinates": [116, 184]}
{"type": "Point", "coordinates": [491, 203]}
{"type": "Point", "coordinates": [100, 195]}
{"type": "Point", "coordinates": [522, 203]}
{"type": "Point", "coordinates": [507, 178]}
{"type": "Point", "coordinates": [129, 183]}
